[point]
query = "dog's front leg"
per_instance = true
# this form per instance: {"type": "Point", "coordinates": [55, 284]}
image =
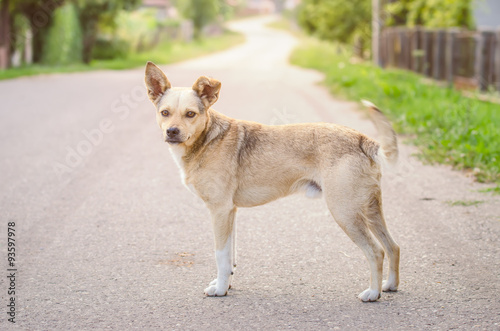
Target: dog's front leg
{"type": "Point", "coordinates": [222, 221]}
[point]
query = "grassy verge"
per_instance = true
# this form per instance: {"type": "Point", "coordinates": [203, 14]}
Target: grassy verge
{"type": "Point", "coordinates": [163, 54]}
{"type": "Point", "coordinates": [449, 127]}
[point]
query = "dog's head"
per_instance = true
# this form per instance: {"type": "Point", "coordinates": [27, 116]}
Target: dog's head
{"type": "Point", "coordinates": [181, 112]}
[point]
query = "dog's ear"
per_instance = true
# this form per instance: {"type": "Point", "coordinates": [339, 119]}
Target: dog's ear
{"type": "Point", "coordinates": [156, 82]}
{"type": "Point", "coordinates": [207, 89]}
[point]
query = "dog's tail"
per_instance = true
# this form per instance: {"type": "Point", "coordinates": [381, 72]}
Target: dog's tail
{"type": "Point", "coordinates": [388, 140]}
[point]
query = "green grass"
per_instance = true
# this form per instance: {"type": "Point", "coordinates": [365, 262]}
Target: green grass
{"type": "Point", "coordinates": [163, 54]}
{"type": "Point", "coordinates": [494, 190]}
{"type": "Point", "coordinates": [465, 203]}
{"type": "Point", "coordinates": [447, 126]}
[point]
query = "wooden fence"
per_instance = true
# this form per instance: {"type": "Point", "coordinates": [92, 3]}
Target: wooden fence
{"type": "Point", "coordinates": [466, 59]}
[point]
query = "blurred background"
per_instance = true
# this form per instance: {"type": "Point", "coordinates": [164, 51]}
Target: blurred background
{"type": "Point", "coordinates": [453, 40]}
{"type": "Point", "coordinates": [62, 32]}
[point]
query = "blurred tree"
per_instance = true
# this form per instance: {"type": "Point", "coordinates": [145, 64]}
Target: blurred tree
{"type": "Point", "coordinates": [93, 12]}
{"type": "Point", "coordinates": [337, 20]}
{"type": "Point", "coordinates": [5, 23]}
{"type": "Point", "coordinates": [396, 12]}
{"type": "Point", "coordinates": [431, 13]}
{"type": "Point", "coordinates": [39, 14]}
{"type": "Point", "coordinates": [64, 39]}
{"type": "Point", "coordinates": [201, 12]}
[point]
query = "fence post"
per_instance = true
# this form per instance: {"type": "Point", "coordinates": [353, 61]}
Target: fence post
{"type": "Point", "coordinates": [479, 67]}
{"type": "Point", "coordinates": [390, 47]}
{"type": "Point", "coordinates": [428, 56]}
{"type": "Point", "coordinates": [423, 47]}
{"type": "Point", "coordinates": [490, 69]}
{"type": "Point", "coordinates": [438, 50]}
{"type": "Point", "coordinates": [451, 37]}
{"type": "Point", "coordinates": [406, 48]}
{"type": "Point", "coordinates": [376, 27]}
{"type": "Point", "coordinates": [496, 55]}
{"type": "Point", "coordinates": [383, 48]}
{"type": "Point", "coordinates": [415, 49]}
{"type": "Point", "coordinates": [399, 38]}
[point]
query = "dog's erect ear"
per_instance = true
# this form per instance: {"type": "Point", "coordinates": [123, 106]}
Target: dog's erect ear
{"type": "Point", "coordinates": [207, 89]}
{"type": "Point", "coordinates": [156, 82]}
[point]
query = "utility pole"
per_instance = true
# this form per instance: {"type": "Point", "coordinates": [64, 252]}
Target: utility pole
{"type": "Point", "coordinates": [376, 27]}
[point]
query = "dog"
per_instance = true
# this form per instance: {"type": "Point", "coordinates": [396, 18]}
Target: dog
{"type": "Point", "coordinates": [232, 163]}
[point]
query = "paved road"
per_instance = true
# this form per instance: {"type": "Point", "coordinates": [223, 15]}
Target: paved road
{"type": "Point", "coordinates": [108, 237]}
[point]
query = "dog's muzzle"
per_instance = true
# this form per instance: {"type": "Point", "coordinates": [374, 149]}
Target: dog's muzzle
{"type": "Point", "coordinates": [173, 136]}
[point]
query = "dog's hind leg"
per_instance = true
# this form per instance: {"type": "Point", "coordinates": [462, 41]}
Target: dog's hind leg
{"type": "Point", "coordinates": [376, 222]}
{"type": "Point", "coordinates": [345, 195]}
{"type": "Point", "coordinates": [222, 222]}
{"type": "Point", "coordinates": [355, 227]}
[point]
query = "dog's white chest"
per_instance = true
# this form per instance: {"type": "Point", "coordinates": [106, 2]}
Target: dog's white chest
{"type": "Point", "coordinates": [177, 153]}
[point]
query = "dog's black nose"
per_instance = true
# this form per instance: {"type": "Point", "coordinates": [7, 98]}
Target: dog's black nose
{"type": "Point", "coordinates": [172, 132]}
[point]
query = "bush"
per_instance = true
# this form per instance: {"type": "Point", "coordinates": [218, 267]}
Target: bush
{"type": "Point", "coordinates": [336, 20]}
{"type": "Point", "coordinates": [110, 48]}
{"type": "Point", "coordinates": [201, 12]}
{"type": "Point", "coordinates": [431, 13]}
{"type": "Point", "coordinates": [64, 39]}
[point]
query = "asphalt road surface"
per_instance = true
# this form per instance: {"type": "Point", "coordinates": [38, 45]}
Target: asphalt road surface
{"type": "Point", "coordinates": [107, 237]}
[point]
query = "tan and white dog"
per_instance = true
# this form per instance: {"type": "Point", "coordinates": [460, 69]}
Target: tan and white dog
{"type": "Point", "coordinates": [230, 163]}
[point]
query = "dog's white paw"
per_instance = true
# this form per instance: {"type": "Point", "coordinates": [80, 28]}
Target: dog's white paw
{"type": "Point", "coordinates": [369, 295]}
{"type": "Point", "coordinates": [214, 283]}
{"type": "Point", "coordinates": [388, 286]}
{"type": "Point", "coordinates": [212, 291]}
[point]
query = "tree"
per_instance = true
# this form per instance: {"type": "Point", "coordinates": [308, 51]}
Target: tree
{"type": "Point", "coordinates": [201, 12]}
{"type": "Point", "coordinates": [4, 34]}
{"type": "Point", "coordinates": [337, 20]}
{"type": "Point", "coordinates": [39, 14]}
{"type": "Point", "coordinates": [431, 13]}
{"type": "Point", "coordinates": [91, 12]}
{"type": "Point", "coordinates": [64, 39]}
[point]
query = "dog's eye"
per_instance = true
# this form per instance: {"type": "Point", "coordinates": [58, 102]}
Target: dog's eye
{"type": "Point", "coordinates": [190, 114]}
{"type": "Point", "coordinates": [165, 113]}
